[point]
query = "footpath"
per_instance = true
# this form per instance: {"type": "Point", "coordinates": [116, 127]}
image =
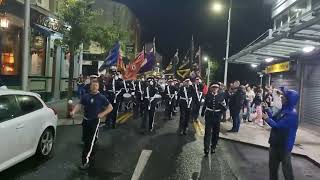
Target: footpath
{"type": "Point", "coordinates": [307, 142]}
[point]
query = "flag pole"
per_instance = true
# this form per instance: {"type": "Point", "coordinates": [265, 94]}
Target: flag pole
{"type": "Point", "coordinates": [200, 60]}
{"type": "Point", "coordinates": [192, 51]}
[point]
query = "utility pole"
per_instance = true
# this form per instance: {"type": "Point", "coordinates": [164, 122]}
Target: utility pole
{"type": "Point", "coordinates": [208, 73]}
{"type": "Point", "coordinates": [26, 45]}
{"type": "Point", "coordinates": [192, 51]}
{"type": "Point", "coordinates": [228, 46]}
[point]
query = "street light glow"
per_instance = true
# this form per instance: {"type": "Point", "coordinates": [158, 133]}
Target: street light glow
{"type": "Point", "coordinates": [308, 49]}
{"type": "Point", "coordinates": [205, 58]}
{"type": "Point", "coordinates": [254, 65]}
{"type": "Point", "coordinates": [269, 59]}
{"type": "Point", "coordinates": [217, 7]}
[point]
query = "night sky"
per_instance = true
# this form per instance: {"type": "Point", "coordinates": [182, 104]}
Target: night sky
{"type": "Point", "coordinates": [173, 22]}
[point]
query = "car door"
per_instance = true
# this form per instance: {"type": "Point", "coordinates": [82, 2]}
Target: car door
{"type": "Point", "coordinates": [9, 128]}
{"type": "Point", "coordinates": [33, 115]}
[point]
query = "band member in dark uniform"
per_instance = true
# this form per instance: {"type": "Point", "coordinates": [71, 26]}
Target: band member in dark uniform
{"type": "Point", "coordinates": [115, 95]}
{"type": "Point", "coordinates": [149, 104]}
{"type": "Point", "coordinates": [96, 106]}
{"type": "Point", "coordinates": [185, 98]}
{"type": "Point", "coordinates": [170, 93]}
{"type": "Point", "coordinates": [139, 95]}
{"type": "Point", "coordinates": [197, 102]}
{"type": "Point", "coordinates": [213, 108]}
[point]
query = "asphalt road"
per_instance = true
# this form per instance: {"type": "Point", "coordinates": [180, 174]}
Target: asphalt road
{"type": "Point", "coordinates": [172, 157]}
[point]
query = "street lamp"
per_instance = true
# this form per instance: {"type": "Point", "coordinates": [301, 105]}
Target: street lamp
{"type": "Point", "coordinates": [205, 58]}
{"type": "Point", "coordinates": [4, 21]}
{"type": "Point", "coordinates": [216, 9]}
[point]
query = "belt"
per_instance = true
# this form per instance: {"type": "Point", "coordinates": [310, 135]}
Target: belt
{"type": "Point", "coordinates": [213, 110]}
{"type": "Point", "coordinates": [87, 119]}
{"type": "Point", "coordinates": [186, 99]}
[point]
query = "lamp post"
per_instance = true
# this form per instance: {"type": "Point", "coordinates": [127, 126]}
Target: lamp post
{"type": "Point", "coordinates": [218, 7]}
{"type": "Point", "coordinates": [26, 45]}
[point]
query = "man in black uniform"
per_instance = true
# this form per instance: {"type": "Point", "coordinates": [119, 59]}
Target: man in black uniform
{"type": "Point", "coordinates": [185, 98]}
{"type": "Point", "coordinates": [149, 104]}
{"type": "Point", "coordinates": [197, 102]}
{"type": "Point", "coordinates": [139, 94]}
{"type": "Point", "coordinates": [115, 96]}
{"type": "Point", "coordinates": [213, 108]}
{"type": "Point", "coordinates": [96, 106]}
{"type": "Point", "coordinates": [170, 93]}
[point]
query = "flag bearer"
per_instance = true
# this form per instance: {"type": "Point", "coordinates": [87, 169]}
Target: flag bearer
{"type": "Point", "coordinates": [149, 104]}
{"type": "Point", "coordinates": [96, 106]}
{"type": "Point", "coordinates": [197, 103]}
{"type": "Point", "coordinates": [213, 108]}
{"type": "Point", "coordinates": [186, 98]}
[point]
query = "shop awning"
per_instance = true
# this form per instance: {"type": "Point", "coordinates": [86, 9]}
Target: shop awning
{"type": "Point", "coordinates": [284, 43]}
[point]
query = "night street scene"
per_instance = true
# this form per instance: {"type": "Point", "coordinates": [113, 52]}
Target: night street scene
{"type": "Point", "coordinates": [159, 90]}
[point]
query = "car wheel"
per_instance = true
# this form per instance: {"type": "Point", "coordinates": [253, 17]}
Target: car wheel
{"type": "Point", "coordinates": [45, 145]}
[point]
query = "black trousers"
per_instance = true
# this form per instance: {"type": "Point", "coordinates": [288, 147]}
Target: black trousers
{"type": "Point", "coordinates": [148, 116]}
{"type": "Point", "coordinates": [276, 156]}
{"type": "Point", "coordinates": [212, 130]}
{"type": "Point", "coordinates": [169, 108]}
{"type": "Point", "coordinates": [90, 133]}
{"type": "Point", "coordinates": [112, 117]}
{"type": "Point", "coordinates": [184, 118]}
{"type": "Point", "coordinates": [195, 111]}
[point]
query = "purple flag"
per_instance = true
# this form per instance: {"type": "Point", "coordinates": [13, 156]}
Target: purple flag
{"type": "Point", "coordinates": [149, 64]}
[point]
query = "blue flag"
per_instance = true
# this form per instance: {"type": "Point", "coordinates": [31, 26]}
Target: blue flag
{"type": "Point", "coordinates": [112, 57]}
{"type": "Point", "coordinates": [150, 62]}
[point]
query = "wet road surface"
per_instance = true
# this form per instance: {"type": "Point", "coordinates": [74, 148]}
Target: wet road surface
{"type": "Point", "coordinates": [172, 157]}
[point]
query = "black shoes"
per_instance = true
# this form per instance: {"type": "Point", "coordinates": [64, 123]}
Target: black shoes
{"type": "Point", "coordinates": [213, 151]}
{"type": "Point", "coordinates": [84, 166]}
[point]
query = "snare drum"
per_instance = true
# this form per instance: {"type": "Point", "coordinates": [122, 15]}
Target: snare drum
{"type": "Point", "coordinates": [157, 96]}
{"type": "Point", "coordinates": [127, 95]}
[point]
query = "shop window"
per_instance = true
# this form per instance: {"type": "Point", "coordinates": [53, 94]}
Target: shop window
{"type": "Point", "coordinates": [38, 56]}
{"type": "Point", "coordinates": [9, 52]}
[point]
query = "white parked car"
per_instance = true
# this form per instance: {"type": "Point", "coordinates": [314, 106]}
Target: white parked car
{"type": "Point", "coordinates": [27, 127]}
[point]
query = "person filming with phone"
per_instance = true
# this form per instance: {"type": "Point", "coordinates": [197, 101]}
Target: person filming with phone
{"type": "Point", "coordinates": [284, 126]}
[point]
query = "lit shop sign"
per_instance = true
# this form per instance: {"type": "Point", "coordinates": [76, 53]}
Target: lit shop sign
{"type": "Point", "coordinates": [48, 22]}
{"type": "Point", "coordinates": [276, 68]}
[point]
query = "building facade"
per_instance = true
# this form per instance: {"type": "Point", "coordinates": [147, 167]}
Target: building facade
{"type": "Point", "coordinates": [290, 51]}
{"type": "Point", "coordinates": [119, 15]}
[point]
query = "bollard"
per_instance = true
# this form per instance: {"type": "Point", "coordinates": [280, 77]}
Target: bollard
{"type": "Point", "coordinates": [69, 108]}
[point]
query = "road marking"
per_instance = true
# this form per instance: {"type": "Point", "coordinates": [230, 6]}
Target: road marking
{"type": "Point", "coordinates": [126, 118]}
{"type": "Point", "coordinates": [196, 127]}
{"type": "Point", "coordinates": [122, 116]}
{"type": "Point", "coordinates": [142, 162]}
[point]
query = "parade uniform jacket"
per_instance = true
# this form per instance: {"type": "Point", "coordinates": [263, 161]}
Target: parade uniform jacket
{"type": "Point", "coordinates": [149, 101]}
{"type": "Point", "coordinates": [139, 92]}
{"type": "Point", "coordinates": [115, 89]}
{"type": "Point", "coordinates": [214, 104]}
{"type": "Point", "coordinates": [198, 88]}
{"type": "Point", "coordinates": [182, 99]}
{"type": "Point", "coordinates": [172, 90]}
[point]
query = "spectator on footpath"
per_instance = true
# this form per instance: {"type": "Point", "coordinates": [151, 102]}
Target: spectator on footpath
{"type": "Point", "coordinates": [284, 126]}
{"type": "Point", "coordinates": [80, 85]}
{"type": "Point", "coordinates": [236, 104]}
{"type": "Point", "coordinates": [227, 95]}
{"type": "Point", "coordinates": [256, 104]}
{"type": "Point", "coordinates": [249, 99]}
{"type": "Point", "coordinates": [268, 97]}
{"type": "Point", "coordinates": [276, 105]}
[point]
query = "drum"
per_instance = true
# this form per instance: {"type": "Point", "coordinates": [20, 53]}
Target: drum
{"type": "Point", "coordinates": [157, 96]}
{"type": "Point", "coordinates": [127, 96]}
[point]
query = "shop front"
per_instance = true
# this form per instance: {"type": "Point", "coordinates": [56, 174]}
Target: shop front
{"type": "Point", "coordinates": [283, 75]}
{"type": "Point", "coordinates": [310, 90]}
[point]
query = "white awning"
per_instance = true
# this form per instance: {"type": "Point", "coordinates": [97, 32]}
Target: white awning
{"type": "Point", "coordinates": [284, 43]}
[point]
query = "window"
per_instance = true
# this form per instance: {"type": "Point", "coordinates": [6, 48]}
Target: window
{"type": "Point", "coordinates": [8, 108]}
{"type": "Point", "coordinates": [38, 57]}
{"type": "Point", "coordinates": [28, 104]}
{"type": "Point", "coordinates": [9, 52]}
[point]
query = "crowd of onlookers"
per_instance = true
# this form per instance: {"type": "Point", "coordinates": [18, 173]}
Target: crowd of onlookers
{"type": "Point", "coordinates": [246, 102]}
